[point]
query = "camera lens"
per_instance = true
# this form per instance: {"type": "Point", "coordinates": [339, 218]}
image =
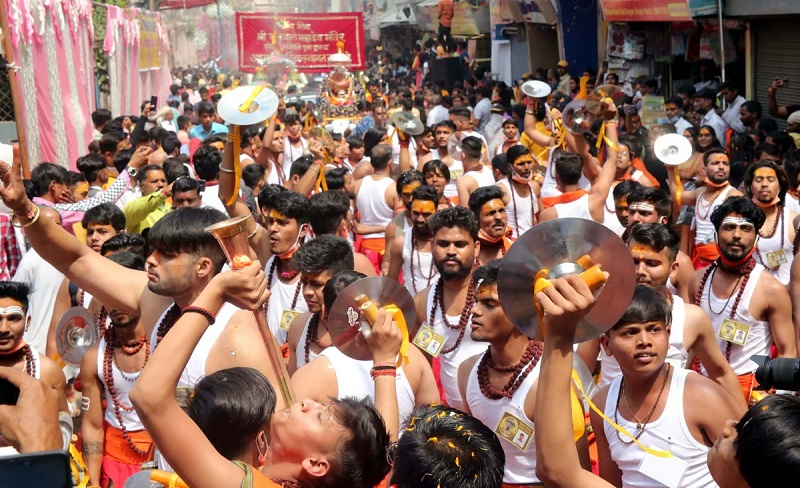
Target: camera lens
{"type": "Point", "coordinates": [779, 373]}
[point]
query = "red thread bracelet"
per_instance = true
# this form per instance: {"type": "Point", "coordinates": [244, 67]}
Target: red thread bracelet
{"type": "Point", "coordinates": [202, 311]}
{"type": "Point", "coordinates": [383, 372]}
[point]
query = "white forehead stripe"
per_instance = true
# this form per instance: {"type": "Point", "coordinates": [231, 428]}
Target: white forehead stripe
{"type": "Point", "coordinates": [737, 221]}
{"type": "Point", "coordinates": [641, 207]}
{"type": "Point", "coordinates": [11, 311]}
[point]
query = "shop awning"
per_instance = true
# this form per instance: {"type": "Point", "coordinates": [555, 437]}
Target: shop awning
{"type": "Point", "coordinates": [646, 10]}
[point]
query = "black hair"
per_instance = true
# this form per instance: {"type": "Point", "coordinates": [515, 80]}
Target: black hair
{"type": "Point", "coordinates": [16, 291]}
{"type": "Point", "coordinates": [657, 236]}
{"type": "Point", "coordinates": [515, 152]}
{"type": "Point", "coordinates": [569, 167]}
{"type": "Point", "coordinates": [171, 143]}
{"type": "Point", "coordinates": [185, 184]}
{"type": "Point", "coordinates": [104, 214]}
{"type": "Point", "coordinates": [91, 165]}
{"type": "Point", "coordinates": [252, 174]}
{"type": "Point", "coordinates": [205, 108]}
{"type": "Point", "coordinates": [44, 174]}
{"type": "Point", "coordinates": [206, 162]}
{"type": "Point", "coordinates": [183, 231]}
{"type": "Point", "coordinates": [408, 177]}
{"type": "Point", "coordinates": [647, 305]}
{"type": "Point", "coordinates": [482, 195]}
{"type": "Point", "coordinates": [101, 116]}
{"type": "Point", "coordinates": [767, 442]}
{"type": "Point", "coordinates": [472, 146]}
{"type": "Point", "coordinates": [158, 134]}
{"type": "Point", "coordinates": [183, 121]}
{"type": "Point", "coordinates": [122, 158]}
{"type": "Point", "coordinates": [660, 199]}
{"type": "Point", "coordinates": [624, 188]}
{"type": "Point", "coordinates": [327, 209]}
{"type": "Point", "coordinates": [446, 123]}
{"type": "Point", "coordinates": [231, 406]}
{"type": "Point", "coordinates": [267, 192]}
{"type": "Point", "coordinates": [425, 193]}
{"type": "Point", "coordinates": [419, 463]}
{"type": "Point", "coordinates": [337, 284]}
{"type": "Point", "coordinates": [291, 119]}
{"type": "Point", "coordinates": [336, 178]}
{"type": "Point", "coordinates": [782, 140]}
{"type": "Point", "coordinates": [460, 112]}
{"type": "Point", "coordinates": [487, 274]}
{"type": "Point", "coordinates": [174, 89]}
{"type": "Point", "coordinates": [174, 169]}
{"type": "Point", "coordinates": [454, 217]}
{"type": "Point", "coordinates": [739, 205]}
{"type": "Point", "coordinates": [500, 164]}
{"type": "Point", "coordinates": [355, 141]}
{"type": "Point", "coordinates": [780, 173]}
{"type": "Point", "coordinates": [142, 175]}
{"type": "Point", "coordinates": [633, 145]}
{"type": "Point", "coordinates": [291, 204]}
{"type": "Point", "coordinates": [126, 242]}
{"type": "Point", "coordinates": [687, 90]}
{"type": "Point", "coordinates": [437, 165]}
{"type": "Point", "coordinates": [361, 459]}
{"type": "Point", "coordinates": [325, 253]}
{"type": "Point", "coordinates": [300, 166]}
{"type": "Point", "coordinates": [712, 151]}
{"type": "Point", "coordinates": [380, 157]}
{"type": "Point", "coordinates": [128, 259]}
{"type": "Point", "coordinates": [754, 106]}
{"type": "Point", "coordinates": [766, 147]}
{"type": "Point", "coordinates": [729, 85]}
{"type": "Point", "coordinates": [372, 138]}
{"type": "Point", "coordinates": [677, 101]}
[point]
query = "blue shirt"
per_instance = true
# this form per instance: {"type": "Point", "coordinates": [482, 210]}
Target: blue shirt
{"type": "Point", "coordinates": [198, 132]}
{"type": "Point", "coordinates": [365, 124]}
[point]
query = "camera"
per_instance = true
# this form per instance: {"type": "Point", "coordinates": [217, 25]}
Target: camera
{"type": "Point", "coordinates": [778, 373]}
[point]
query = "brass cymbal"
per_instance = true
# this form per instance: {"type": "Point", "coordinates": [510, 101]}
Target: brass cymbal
{"type": "Point", "coordinates": [347, 324]}
{"type": "Point", "coordinates": [556, 247]}
{"type": "Point", "coordinates": [577, 119]}
{"type": "Point", "coordinates": [595, 98]}
{"type": "Point", "coordinates": [407, 122]}
{"type": "Point", "coordinates": [75, 334]}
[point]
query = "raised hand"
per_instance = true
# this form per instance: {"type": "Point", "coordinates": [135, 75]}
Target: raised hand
{"type": "Point", "coordinates": [385, 339]}
{"type": "Point", "coordinates": [12, 190]}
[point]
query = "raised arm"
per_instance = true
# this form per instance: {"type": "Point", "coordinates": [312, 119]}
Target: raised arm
{"type": "Point", "coordinates": [90, 271]}
{"type": "Point", "coordinates": [687, 197]}
{"type": "Point", "coordinates": [92, 423]}
{"type": "Point", "coordinates": [602, 185]}
{"type": "Point", "coordinates": [530, 127]}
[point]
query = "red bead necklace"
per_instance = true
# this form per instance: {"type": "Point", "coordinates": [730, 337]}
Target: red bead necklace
{"type": "Point", "coordinates": [167, 322]}
{"type": "Point", "coordinates": [270, 275]}
{"type": "Point", "coordinates": [520, 371]}
{"type": "Point", "coordinates": [311, 336]}
{"type": "Point", "coordinates": [778, 222]}
{"type": "Point", "coordinates": [438, 302]}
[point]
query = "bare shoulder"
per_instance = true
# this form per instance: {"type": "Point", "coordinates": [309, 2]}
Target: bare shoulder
{"type": "Point", "coordinates": [51, 373]}
{"type": "Point", "coordinates": [316, 380]}
{"type": "Point", "coordinates": [466, 367]}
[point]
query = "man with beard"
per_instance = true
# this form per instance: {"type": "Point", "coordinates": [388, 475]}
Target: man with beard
{"type": "Point", "coordinates": [424, 144]}
{"type": "Point", "coordinates": [444, 309]}
{"type": "Point", "coordinates": [499, 385]}
{"type": "Point", "coordinates": [766, 184]}
{"type": "Point", "coordinates": [295, 145]}
{"type": "Point", "coordinates": [16, 353]}
{"type": "Point", "coordinates": [615, 212]}
{"type": "Point", "coordinates": [406, 183]}
{"type": "Point", "coordinates": [748, 307]}
{"type": "Point", "coordinates": [654, 248]}
{"type": "Point", "coordinates": [510, 137]}
{"type": "Point", "coordinates": [705, 104]}
{"type": "Point", "coordinates": [476, 174]}
{"type": "Point", "coordinates": [705, 200]}
{"type": "Point", "coordinates": [490, 211]}
{"type": "Point", "coordinates": [666, 408]}
{"type": "Point", "coordinates": [519, 197]}
{"type": "Point", "coordinates": [114, 441]}
{"type": "Point", "coordinates": [318, 261]}
{"type": "Point", "coordinates": [334, 375]}
{"type": "Point", "coordinates": [340, 443]}
{"type": "Point", "coordinates": [287, 226]}
{"type": "Point", "coordinates": [411, 250]}
{"type": "Point", "coordinates": [442, 132]}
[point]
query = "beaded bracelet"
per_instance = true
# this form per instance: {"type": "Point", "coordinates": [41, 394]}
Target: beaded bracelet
{"type": "Point", "coordinates": [205, 313]}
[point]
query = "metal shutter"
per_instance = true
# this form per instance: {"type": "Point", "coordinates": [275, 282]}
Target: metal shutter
{"type": "Point", "coordinates": [777, 44]}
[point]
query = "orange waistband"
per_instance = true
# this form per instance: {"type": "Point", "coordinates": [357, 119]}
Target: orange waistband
{"type": "Point", "coordinates": [377, 244]}
{"type": "Point", "coordinates": [116, 447]}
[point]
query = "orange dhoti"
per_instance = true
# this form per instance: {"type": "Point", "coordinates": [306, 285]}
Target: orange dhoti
{"type": "Point", "coordinates": [120, 461]}
{"type": "Point", "coordinates": [373, 248]}
{"type": "Point", "coordinates": [747, 382]}
{"type": "Point", "coordinates": [704, 255]}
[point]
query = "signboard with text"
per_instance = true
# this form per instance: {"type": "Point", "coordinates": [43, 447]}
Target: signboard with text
{"type": "Point", "coordinates": [149, 42]}
{"type": "Point", "coordinates": [645, 10]}
{"type": "Point", "coordinates": [306, 39]}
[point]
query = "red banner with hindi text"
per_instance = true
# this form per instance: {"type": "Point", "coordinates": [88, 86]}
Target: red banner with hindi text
{"type": "Point", "coordinates": [646, 10]}
{"type": "Point", "coordinates": [306, 39]}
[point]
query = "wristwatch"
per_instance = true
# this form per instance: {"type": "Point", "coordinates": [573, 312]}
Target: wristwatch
{"type": "Point", "coordinates": [132, 171]}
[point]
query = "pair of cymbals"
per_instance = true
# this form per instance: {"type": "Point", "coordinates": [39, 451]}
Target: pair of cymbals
{"type": "Point", "coordinates": [248, 105]}
{"type": "Point", "coordinates": [595, 98]}
{"type": "Point", "coordinates": [562, 247]}
{"type": "Point", "coordinates": [577, 118]}
{"type": "Point", "coordinates": [672, 149]}
{"type": "Point", "coordinates": [407, 122]}
{"type": "Point", "coordinates": [75, 334]}
{"type": "Point", "coordinates": [535, 89]}
{"type": "Point", "coordinates": [346, 323]}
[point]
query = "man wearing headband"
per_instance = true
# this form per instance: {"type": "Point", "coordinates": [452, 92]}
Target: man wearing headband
{"type": "Point", "coordinates": [476, 174]}
{"type": "Point", "coordinates": [411, 250]}
{"type": "Point", "coordinates": [749, 308]}
{"type": "Point", "coordinates": [766, 184]}
{"type": "Point", "coordinates": [653, 205]}
{"type": "Point", "coordinates": [705, 199]}
{"type": "Point", "coordinates": [287, 226]}
{"type": "Point", "coordinates": [18, 354]}
{"type": "Point", "coordinates": [499, 385]}
{"type": "Point", "coordinates": [487, 205]}
{"type": "Point", "coordinates": [519, 194]}
{"type": "Point", "coordinates": [654, 248]}
{"type": "Point", "coordinates": [444, 309]}
{"type": "Point", "coordinates": [334, 375]}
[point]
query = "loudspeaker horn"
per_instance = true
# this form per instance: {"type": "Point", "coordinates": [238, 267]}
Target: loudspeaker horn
{"type": "Point", "coordinates": [672, 149]}
{"type": "Point", "coordinates": [75, 334]}
{"type": "Point", "coordinates": [577, 119]}
{"type": "Point", "coordinates": [407, 122]}
{"type": "Point", "coordinates": [563, 247]}
{"type": "Point", "coordinates": [347, 323]}
{"type": "Point", "coordinates": [248, 105]}
{"type": "Point", "coordinates": [536, 89]}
